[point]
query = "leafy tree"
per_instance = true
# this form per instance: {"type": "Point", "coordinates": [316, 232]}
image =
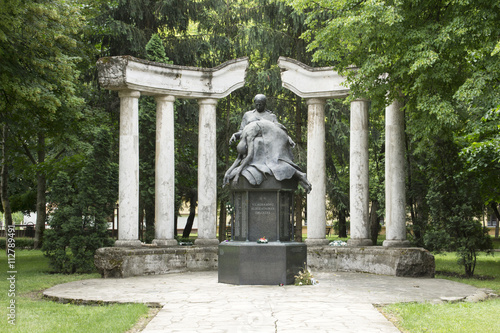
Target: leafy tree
{"type": "Point", "coordinates": [441, 59]}
{"type": "Point", "coordinates": [82, 200]}
{"type": "Point", "coordinates": [38, 82]}
{"type": "Point", "coordinates": [454, 203]}
{"type": "Point", "coordinates": [481, 151]}
{"type": "Point", "coordinates": [124, 27]}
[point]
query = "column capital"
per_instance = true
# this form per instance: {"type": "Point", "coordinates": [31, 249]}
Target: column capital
{"type": "Point", "coordinates": [315, 100]}
{"type": "Point", "coordinates": [165, 98]}
{"type": "Point", "coordinates": [207, 101]}
{"type": "Point", "coordinates": [129, 93]}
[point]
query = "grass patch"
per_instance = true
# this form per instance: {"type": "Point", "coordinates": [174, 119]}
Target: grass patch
{"type": "Point", "coordinates": [454, 317]}
{"type": "Point", "coordinates": [35, 314]}
{"type": "Point", "coordinates": [486, 275]}
{"type": "Point", "coordinates": [496, 243]}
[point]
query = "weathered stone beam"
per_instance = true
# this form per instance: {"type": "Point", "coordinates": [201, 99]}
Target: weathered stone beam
{"type": "Point", "coordinates": [152, 78]}
{"type": "Point", "coordinates": [311, 82]}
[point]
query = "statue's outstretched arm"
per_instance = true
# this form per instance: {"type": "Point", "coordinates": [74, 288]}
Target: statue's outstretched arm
{"type": "Point", "coordinates": [236, 136]}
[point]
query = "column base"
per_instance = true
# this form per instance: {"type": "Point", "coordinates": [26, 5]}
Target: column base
{"type": "Point", "coordinates": [206, 241]}
{"type": "Point", "coordinates": [359, 242]}
{"type": "Point", "coordinates": [128, 243]}
{"type": "Point", "coordinates": [396, 243]}
{"type": "Point", "coordinates": [316, 241]}
{"type": "Point", "coordinates": [164, 242]}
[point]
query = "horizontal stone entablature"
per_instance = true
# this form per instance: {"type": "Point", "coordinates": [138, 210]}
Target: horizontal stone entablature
{"type": "Point", "coordinates": [311, 82]}
{"type": "Point", "coordinates": [152, 78]}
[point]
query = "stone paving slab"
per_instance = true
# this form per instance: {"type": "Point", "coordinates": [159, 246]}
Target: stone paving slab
{"type": "Point", "coordinates": [196, 302]}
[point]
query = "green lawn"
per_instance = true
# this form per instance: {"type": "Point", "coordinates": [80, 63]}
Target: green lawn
{"type": "Point", "coordinates": [35, 314]}
{"type": "Point", "coordinates": [454, 317]}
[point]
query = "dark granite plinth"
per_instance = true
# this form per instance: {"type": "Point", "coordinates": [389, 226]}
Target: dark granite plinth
{"type": "Point", "coordinates": [263, 211]}
{"type": "Point", "coordinates": [250, 263]}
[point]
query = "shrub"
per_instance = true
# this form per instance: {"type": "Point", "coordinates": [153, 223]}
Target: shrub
{"type": "Point", "coordinates": [83, 201]}
{"type": "Point", "coordinates": [453, 208]}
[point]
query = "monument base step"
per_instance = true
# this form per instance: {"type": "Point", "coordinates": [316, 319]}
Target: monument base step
{"type": "Point", "coordinates": [124, 262]}
{"type": "Point", "coordinates": [403, 261]}
{"type": "Point", "coordinates": [121, 262]}
{"type": "Point", "coordinates": [251, 263]}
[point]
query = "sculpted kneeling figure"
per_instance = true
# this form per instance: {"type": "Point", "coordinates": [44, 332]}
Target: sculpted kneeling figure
{"type": "Point", "coordinates": [264, 149]}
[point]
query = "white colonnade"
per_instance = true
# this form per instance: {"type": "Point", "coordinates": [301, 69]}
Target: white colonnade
{"type": "Point", "coordinates": [395, 193]}
{"type": "Point", "coordinates": [135, 77]}
{"type": "Point", "coordinates": [316, 85]}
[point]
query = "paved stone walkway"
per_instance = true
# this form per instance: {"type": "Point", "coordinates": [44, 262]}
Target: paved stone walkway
{"type": "Point", "coordinates": [196, 302]}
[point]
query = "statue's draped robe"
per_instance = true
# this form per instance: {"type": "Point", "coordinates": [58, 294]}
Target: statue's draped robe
{"type": "Point", "coordinates": [272, 155]}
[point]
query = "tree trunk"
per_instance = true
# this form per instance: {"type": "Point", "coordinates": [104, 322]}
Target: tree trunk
{"type": "Point", "coordinates": [141, 219]}
{"type": "Point", "coordinates": [176, 216]}
{"type": "Point", "coordinates": [41, 199]}
{"type": "Point", "coordinates": [374, 222]}
{"type": "Point", "coordinates": [222, 222]}
{"type": "Point", "coordinates": [4, 186]}
{"type": "Point", "coordinates": [223, 211]}
{"type": "Point", "coordinates": [192, 214]}
{"type": "Point", "coordinates": [150, 223]}
{"type": "Point", "coordinates": [342, 223]}
{"type": "Point", "coordinates": [494, 207]}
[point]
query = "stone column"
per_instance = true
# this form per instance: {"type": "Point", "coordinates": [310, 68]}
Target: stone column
{"type": "Point", "coordinates": [395, 196]}
{"type": "Point", "coordinates": [316, 200]}
{"type": "Point", "coordinates": [358, 175]}
{"type": "Point", "coordinates": [128, 233]}
{"type": "Point", "coordinates": [164, 172]}
{"type": "Point", "coordinates": [207, 173]}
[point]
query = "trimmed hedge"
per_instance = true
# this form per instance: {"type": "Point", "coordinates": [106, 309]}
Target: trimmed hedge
{"type": "Point", "coordinates": [21, 242]}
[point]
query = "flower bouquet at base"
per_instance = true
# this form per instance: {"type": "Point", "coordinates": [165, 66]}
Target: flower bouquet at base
{"type": "Point", "coordinates": [305, 278]}
{"type": "Point", "coordinates": [262, 240]}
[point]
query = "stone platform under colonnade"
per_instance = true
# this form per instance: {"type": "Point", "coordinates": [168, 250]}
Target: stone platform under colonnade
{"type": "Point", "coordinates": [113, 262]}
{"type": "Point", "coordinates": [133, 78]}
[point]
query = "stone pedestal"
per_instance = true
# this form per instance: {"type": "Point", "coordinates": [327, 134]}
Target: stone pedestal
{"type": "Point", "coordinates": [263, 211]}
{"type": "Point", "coordinates": [250, 263]}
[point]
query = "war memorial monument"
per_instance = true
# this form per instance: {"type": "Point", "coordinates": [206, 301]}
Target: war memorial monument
{"type": "Point", "coordinates": [262, 180]}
